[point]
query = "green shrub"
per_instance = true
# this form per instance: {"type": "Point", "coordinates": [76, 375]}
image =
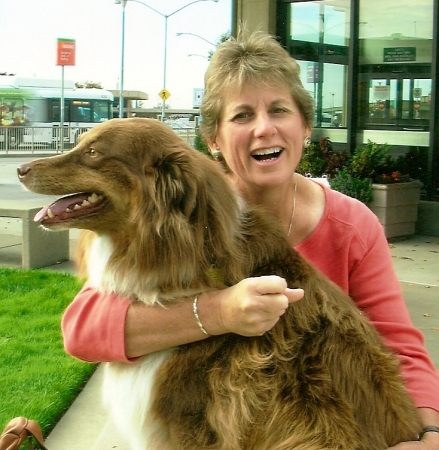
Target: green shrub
{"type": "Point", "coordinates": [312, 162]}
{"type": "Point", "coordinates": [347, 184]}
{"type": "Point", "coordinates": [200, 144]}
{"type": "Point", "coordinates": [368, 160]}
{"type": "Point", "coordinates": [320, 159]}
{"type": "Point", "coordinates": [371, 163]}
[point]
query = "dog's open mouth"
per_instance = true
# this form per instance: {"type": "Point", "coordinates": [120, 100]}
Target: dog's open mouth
{"type": "Point", "coordinates": [69, 207]}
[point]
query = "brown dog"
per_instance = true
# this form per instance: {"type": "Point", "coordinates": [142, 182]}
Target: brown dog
{"type": "Point", "coordinates": [164, 215]}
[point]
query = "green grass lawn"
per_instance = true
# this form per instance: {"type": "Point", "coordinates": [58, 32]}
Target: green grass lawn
{"type": "Point", "coordinates": [38, 379]}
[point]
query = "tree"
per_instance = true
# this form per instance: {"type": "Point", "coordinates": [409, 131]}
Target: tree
{"type": "Point", "coordinates": [88, 85]}
{"type": "Point", "coordinates": [159, 106]}
{"type": "Point", "coordinates": [223, 38]}
{"type": "Point", "coordinates": [200, 144]}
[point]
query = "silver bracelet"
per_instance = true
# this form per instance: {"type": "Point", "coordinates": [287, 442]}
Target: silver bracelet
{"type": "Point", "coordinates": [429, 429]}
{"type": "Point", "coordinates": [197, 317]}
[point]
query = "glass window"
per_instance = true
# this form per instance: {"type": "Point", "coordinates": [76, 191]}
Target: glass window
{"type": "Point", "coordinates": [395, 65]}
{"type": "Point", "coordinates": [101, 111]}
{"type": "Point", "coordinates": [319, 39]}
{"type": "Point", "coordinates": [320, 22]}
{"type": "Point", "coordinates": [55, 111]}
{"type": "Point", "coordinates": [396, 19]}
{"type": "Point", "coordinates": [329, 93]}
{"type": "Point", "coordinates": [81, 111]}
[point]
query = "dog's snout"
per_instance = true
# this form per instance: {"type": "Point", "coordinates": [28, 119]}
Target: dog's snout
{"type": "Point", "coordinates": [23, 170]}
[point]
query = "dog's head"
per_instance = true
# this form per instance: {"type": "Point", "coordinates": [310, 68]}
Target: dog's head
{"type": "Point", "coordinates": [135, 174]}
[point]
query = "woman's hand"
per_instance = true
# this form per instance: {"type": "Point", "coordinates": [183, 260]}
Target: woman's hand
{"type": "Point", "coordinates": [430, 441]}
{"type": "Point", "coordinates": [251, 307]}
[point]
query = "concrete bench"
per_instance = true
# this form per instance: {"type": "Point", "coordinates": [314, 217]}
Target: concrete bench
{"type": "Point", "coordinates": [40, 247]}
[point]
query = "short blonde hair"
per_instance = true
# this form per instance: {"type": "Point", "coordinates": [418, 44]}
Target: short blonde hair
{"type": "Point", "coordinates": [251, 59]}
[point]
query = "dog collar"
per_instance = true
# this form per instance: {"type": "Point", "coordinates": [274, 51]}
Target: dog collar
{"type": "Point", "coordinates": [215, 274]}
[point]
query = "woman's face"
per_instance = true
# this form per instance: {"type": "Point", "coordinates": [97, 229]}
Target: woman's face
{"type": "Point", "coordinates": [260, 134]}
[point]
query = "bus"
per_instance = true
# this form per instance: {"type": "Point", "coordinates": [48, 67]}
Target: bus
{"type": "Point", "coordinates": [30, 112]}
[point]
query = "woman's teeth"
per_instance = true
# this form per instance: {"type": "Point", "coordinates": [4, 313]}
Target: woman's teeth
{"type": "Point", "coordinates": [267, 154]}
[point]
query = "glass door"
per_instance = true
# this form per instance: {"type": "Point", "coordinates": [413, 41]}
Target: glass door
{"type": "Point", "coordinates": [395, 99]}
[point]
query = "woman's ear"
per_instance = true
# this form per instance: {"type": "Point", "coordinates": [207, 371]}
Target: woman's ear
{"type": "Point", "coordinates": [215, 151]}
{"type": "Point", "coordinates": [212, 145]}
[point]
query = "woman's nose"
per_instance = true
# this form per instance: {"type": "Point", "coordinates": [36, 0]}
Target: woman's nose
{"type": "Point", "coordinates": [264, 125]}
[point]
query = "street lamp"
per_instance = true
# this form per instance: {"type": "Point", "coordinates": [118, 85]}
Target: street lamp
{"type": "Point", "coordinates": [198, 36]}
{"type": "Point", "coordinates": [122, 63]}
{"type": "Point", "coordinates": [200, 56]}
{"type": "Point", "coordinates": [164, 93]}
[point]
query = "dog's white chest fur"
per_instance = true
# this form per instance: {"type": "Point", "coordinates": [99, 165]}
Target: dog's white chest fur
{"type": "Point", "coordinates": [100, 276]}
{"type": "Point", "coordinates": [99, 256]}
{"type": "Point", "coordinates": [127, 388]}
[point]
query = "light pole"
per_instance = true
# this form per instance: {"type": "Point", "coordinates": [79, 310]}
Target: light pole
{"type": "Point", "coordinates": [122, 63]}
{"type": "Point", "coordinates": [164, 93]}
{"type": "Point", "coordinates": [198, 36]}
{"type": "Point", "coordinates": [200, 56]}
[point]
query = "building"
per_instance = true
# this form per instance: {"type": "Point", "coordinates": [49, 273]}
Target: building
{"type": "Point", "coordinates": [371, 66]}
{"type": "Point", "coordinates": [131, 102]}
{"type": "Point", "coordinates": [133, 107]}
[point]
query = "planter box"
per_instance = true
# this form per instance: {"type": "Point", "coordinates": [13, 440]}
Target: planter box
{"type": "Point", "coordinates": [428, 219]}
{"type": "Point", "coordinates": [396, 206]}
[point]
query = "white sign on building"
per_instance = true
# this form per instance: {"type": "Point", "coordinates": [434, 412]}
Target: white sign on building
{"type": "Point", "coordinates": [198, 97]}
{"type": "Point", "coordinates": [381, 93]}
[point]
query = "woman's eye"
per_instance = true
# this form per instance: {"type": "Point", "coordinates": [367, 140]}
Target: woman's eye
{"type": "Point", "coordinates": [241, 116]}
{"type": "Point", "coordinates": [278, 110]}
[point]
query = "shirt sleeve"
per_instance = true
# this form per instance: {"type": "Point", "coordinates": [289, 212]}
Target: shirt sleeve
{"type": "Point", "coordinates": [93, 326]}
{"type": "Point", "coordinates": [377, 291]}
{"type": "Point", "coordinates": [351, 249]}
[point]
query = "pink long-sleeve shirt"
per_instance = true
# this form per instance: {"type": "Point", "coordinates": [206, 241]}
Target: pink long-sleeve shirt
{"type": "Point", "coordinates": [348, 246]}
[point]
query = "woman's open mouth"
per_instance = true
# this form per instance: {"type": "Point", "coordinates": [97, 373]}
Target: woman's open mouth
{"type": "Point", "coordinates": [267, 154]}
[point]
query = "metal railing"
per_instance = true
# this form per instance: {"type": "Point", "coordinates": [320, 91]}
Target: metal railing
{"type": "Point", "coordinates": [29, 140]}
{"type": "Point", "coordinates": [47, 140]}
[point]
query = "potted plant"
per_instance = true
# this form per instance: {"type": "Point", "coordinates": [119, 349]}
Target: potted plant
{"type": "Point", "coordinates": [321, 161]}
{"type": "Point", "coordinates": [360, 188]}
{"type": "Point", "coordinates": [386, 184]}
{"type": "Point", "coordinates": [395, 194]}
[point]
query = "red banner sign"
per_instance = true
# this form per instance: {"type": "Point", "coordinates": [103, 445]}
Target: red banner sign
{"type": "Point", "coordinates": [65, 52]}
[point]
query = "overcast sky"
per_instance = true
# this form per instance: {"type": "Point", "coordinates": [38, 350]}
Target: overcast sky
{"type": "Point", "coordinates": [30, 29]}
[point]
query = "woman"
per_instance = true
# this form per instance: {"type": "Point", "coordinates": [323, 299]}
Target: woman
{"type": "Point", "coordinates": [257, 118]}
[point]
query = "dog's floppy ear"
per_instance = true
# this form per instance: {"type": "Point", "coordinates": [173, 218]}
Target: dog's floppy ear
{"type": "Point", "coordinates": [176, 184]}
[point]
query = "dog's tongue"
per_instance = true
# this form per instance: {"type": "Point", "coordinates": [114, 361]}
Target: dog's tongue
{"type": "Point", "coordinates": [59, 206]}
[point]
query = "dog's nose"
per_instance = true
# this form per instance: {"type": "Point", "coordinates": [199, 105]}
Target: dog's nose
{"type": "Point", "coordinates": [22, 170]}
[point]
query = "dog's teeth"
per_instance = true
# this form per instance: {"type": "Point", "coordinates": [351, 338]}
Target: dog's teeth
{"type": "Point", "coordinates": [76, 207]}
{"type": "Point", "coordinates": [50, 214]}
{"type": "Point", "coordinates": [85, 203]}
{"type": "Point", "coordinates": [67, 210]}
{"type": "Point", "coordinates": [93, 198]}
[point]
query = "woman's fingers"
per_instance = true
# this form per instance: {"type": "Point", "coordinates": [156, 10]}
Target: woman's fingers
{"type": "Point", "coordinates": [254, 306]}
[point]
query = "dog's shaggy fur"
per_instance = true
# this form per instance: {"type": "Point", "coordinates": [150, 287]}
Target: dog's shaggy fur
{"type": "Point", "coordinates": [164, 215]}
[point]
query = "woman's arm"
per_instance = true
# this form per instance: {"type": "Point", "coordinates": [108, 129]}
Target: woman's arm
{"type": "Point", "coordinates": [356, 256]}
{"type": "Point", "coordinates": [106, 327]}
{"type": "Point", "coordinates": [382, 300]}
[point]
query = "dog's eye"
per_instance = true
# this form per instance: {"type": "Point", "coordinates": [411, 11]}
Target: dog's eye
{"type": "Point", "coordinates": [92, 152]}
